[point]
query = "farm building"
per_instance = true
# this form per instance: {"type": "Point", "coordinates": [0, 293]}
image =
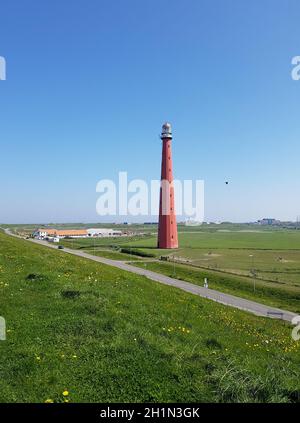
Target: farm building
{"type": "Point", "coordinates": [103, 232]}
{"type": "Point", "coordinates": [59, 233]}
{"type": "Point", "coordinates": [75, 233]}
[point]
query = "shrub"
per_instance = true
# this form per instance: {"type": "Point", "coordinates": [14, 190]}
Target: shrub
{"type": "Point", "coordinates": [136, 252]}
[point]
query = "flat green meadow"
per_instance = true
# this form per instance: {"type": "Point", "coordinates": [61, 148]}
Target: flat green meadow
{"type": "Point", "coordinates": [79, 331]}
{"type": "Point", "coordinates": [235, 239]}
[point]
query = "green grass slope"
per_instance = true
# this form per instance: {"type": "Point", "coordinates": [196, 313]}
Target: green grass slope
{"type": "Point", "coordinates": [101, 334]}
{"type": "Point", "coordinates": [273, 294]}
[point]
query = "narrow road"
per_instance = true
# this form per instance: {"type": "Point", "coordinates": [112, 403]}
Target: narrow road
{"type": "Point", "coordinates": [226, 299]}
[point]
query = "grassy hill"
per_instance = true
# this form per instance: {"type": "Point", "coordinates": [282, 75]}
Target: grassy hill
{"type": "Point", "coordinates": [96, 333]}
{"type": "Point", "coordinates": [273, 294]}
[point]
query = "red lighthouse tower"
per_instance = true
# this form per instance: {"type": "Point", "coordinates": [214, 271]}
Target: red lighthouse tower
{"type": "Point", "coordinates": [167, 227]}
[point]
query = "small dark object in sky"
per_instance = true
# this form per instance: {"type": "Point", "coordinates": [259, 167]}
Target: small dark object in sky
{"type": "Point", "coordinates": [226, 182]}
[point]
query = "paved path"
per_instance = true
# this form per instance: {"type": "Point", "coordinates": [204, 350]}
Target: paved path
{"type": "Point", "coordinates": [227, 299]}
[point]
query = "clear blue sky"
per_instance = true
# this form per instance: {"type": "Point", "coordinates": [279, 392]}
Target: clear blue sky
{"type": "Point", "coordinates": [89, 83]}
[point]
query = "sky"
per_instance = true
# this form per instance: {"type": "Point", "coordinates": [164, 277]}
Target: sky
{"type": "Point", "coordinates": [90, 82]}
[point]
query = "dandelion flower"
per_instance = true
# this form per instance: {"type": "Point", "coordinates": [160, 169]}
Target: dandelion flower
{"type": "Point", "coordinates": [65, 393]}
{"type": "Point", "coordinates": [49, 401]}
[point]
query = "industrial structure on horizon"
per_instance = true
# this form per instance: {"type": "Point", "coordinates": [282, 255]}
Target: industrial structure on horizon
{"type": "Point", "coordinates": [268, 221]}
{"type": "Point", "coordinates": [167, 226]}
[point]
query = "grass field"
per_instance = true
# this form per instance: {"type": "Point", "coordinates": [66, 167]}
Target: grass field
{"type": "Point", "coordinates": [96, 333]}
{"type": "Point", "coordinates": [112, 254]}
{"type": "Point", "coordinates": [235, 257]}
{"type": "Point", "coordinates": [236, 239]}
{"type": "Point", "coordinates": [88, 243]}
{"type": "Point", "coordinates": [276, 295]}
{"type": "Point", "coordinates": [275, 265]}
{"type": "Point", "coordinates": [270, 255]}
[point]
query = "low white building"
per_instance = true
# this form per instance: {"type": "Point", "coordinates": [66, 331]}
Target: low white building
{"type": "Point", "coordinates": [103, 232]}
{"type": "Point", "coordinates": [51, 233]}
{"type": "Point", "coordinates": [45, 233]}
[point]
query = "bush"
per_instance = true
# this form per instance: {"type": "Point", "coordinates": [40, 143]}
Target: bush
{"type": "Point", "coordinates": [136, 252]}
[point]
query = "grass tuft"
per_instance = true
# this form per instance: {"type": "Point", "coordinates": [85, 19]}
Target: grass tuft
{"type": "Point", "coordinates": [70, 294]}
{"type": "Point", "coordinates": [36, 277]}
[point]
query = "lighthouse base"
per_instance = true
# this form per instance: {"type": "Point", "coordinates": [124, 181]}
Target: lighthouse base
{"type": "Point", "coordinates": [167, 247]}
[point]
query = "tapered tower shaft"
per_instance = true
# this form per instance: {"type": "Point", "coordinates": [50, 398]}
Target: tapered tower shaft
{"type": "Point", "coordinates": [167, 227]}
